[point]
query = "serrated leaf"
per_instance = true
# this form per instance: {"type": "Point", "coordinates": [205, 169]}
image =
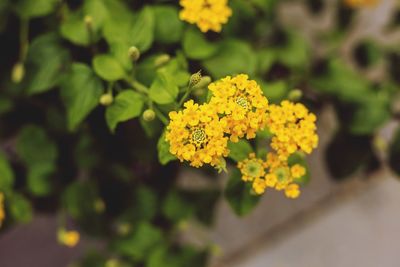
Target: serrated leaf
{"type": "Point", "coordinates": [168, 26]}
{"type": "Point", "coordinates": [27, 9]}
{"type": "Point", "coordinates": [240, 150]}
{"type": "Point", "coordinates": [142, 32]}
{"type": "Point", "coordinates": [127, 105]}
{"type": "Point", "coordinates": [80, 90]}
{"type": "Point", "coordinates": [108, 68]}
{"type": "Point", "coordinates": [45, 63]}
{"type": "Point", "coordinates": [164, 156]}
{"type": "Point", "coordinates": [164, 89]}
{"type": "Point", "coordinates": [196, 46]}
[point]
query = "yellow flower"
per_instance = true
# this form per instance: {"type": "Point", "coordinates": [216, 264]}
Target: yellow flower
{"type": "Point", "coordinates": [272, 173]}
{"type": "Point", "coordinates": [196, 135]}
{"type": "Point", "coordinates": [292, 191]}
{"type": "Point", "coordinates": [241, 103]}
{"type": "Point", "coordinates": [293, 128]}
{"type": "Point", "coordinates": [207, 14]}
{"type": "Point", "coordinates": [2, 212]}
{"type": "Point", "coordinates": [251, 168]}
{"type": "Point", "coordinates": [68, 238]}
{"type": "Point", "coordinates": [360, 3]}
{"type": "Point", "coordinates": [297, 171]}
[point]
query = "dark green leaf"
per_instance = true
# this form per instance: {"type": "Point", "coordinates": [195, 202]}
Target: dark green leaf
{"type": "Point", "coordinates": [164, 156]}
{"type": "Point", "coordinates": [238, 194]}
{"type": "Point", "coordinates": [80, 90]}
{"type": "Point", "coordinates": [168, 26]}
{"type": "Point", "coordinates": [20, 208]}
{"type": "Point", "coordinates": [6, 174]}
{"type": "Point", "coordinates": [27, 9]}
{"type": "Point", "coordinates": [196, 46]}
{"type": "Point", "coordinates": [45, 63]}
{"type": "Point", "coordinates": [127, 105]}
{"type": "Point", "coordinates": [240, 150]}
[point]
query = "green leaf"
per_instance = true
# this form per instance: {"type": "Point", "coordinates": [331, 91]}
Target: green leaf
{"type": "Point", "coordinates": [164, 89]}
{"type": "Point", "coordinates": [141, 243]}
{"type": "Point", "coordinates": [27, 9]}
{"type": "Point", "coordinates": [79, 198]}
{"type": "Point", "coordinates": [6, 174]}
{"type": "Point", "coordinates": [120, 52]}
{"type": "Point", "coordinates": [233, 57]}
{"type": "Point", "coordinates": [240, 150]}
{"type": "Point", "coordinates": [274, 91]}
{"type": "Point", "coordinates": [40, 165]}
{"type": "Point", "coordinates": [142, 32]}
{"type": "Point", "coordinates": [196, 46]}
{"type": "Point", "coordinates": [45, 63]}
{"type": "Point", "coordinates": [20, 208]}
{"type": "Point", "coordinates": [164, 156]}
{"type": "Point", "coordinates": [145, 204]}
{"type": "Point", "coordinates": [168, 26]}
{"type": "Point", "coordinates": [108, 68]}
{"type": "Point", "coordinates": [238, 194]}
{"type": "Point", "coordinates": [97, 10]}
{"type": "Point", "coordinates": [127, 105]}
{"type": "Point", "coordinates": [80, 90]}
{"type": "Point", "coordinates": [176, 208]}
{"type": "Point", "coordinates": [73, 29]}
{"type": "Point", "coordinates": [6, 105]}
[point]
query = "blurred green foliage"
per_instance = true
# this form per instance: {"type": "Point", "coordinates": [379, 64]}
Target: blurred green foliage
{"type": "Point", "coordinates": [64, 152]}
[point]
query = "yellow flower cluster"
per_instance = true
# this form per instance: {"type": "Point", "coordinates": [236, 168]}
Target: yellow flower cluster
{"type": "Point", "coordinates": [2, 212]}
{"type": "Point", "coordinates": [199, 133]}
{"type": "Point", "coordinates": [360, 3]}
{"type": "Point", "coordinates": [207, 14]}
{"type": "Point", "coordinates": [242, 103]}
{"type": "Point", "coordinates": [196, 134]}
{"type": "Point", "coordinates": [293, 128]}
{"type": "Point", "coordinates": [68, 238]}
{"type": "Point", "coordinates": [273, 173]}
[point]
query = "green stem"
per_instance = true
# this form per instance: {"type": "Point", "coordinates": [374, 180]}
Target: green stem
{"type": "Point", "coordinates": [161, 116]}
{"type": "Point", "coordinates": [185, 96]}
{"type": "Point", "coordinates": [137, 85]}
{"type": "Point", "coordinates": [24, 39]}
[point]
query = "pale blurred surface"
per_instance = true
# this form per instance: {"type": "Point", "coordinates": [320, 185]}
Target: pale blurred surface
{"type": "Point", "coordinates": [361, 231]}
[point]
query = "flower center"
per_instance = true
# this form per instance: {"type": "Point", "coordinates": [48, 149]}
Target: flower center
{"type": "Point", "coordinates": [242, 101]}
{"type": "Point", "coordinates": [199, 136]}
{"type": "Point", "coordinates": [254, 169]}
{"type": "Point", "coordinates": [282, 174]}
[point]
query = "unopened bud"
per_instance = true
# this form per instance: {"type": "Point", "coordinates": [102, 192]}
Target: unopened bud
{"type": "Point", "coordinates": [18, 72]}
{"type": "Point", "coordinates": [149, 115]}
{"type": "Point", "coordinates": [88, 21]}
{"type": "Point", "coordinates": [161, 60]}
{"type": "Point", "coordinates": [106, 99]}
{"type": "Point", "coordinates": [295, 95]}
{"type": "Point", "coordinates": [112, 263]}
{"type": "Point", "coordinates": [204, 82]}
{"type": "Point", "coordinates": [195, 78]}
{"type": "Point", "coordinates": [134, 53]}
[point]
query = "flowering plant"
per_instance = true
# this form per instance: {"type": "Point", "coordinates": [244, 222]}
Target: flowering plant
{"type": "Point", "coordinates": [103, 103]}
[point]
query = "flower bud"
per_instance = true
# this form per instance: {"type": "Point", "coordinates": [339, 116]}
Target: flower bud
{"type": "Point", "coordinates": [134, 53]}
{"type": "Point", "coordinates": [88, 21]}
{"type": "Point", "coordinates": [18, 72]}
{"type": "Point", "coordinates": [106, 99]}
{"type": "Point", "coordinates": [149, 115]}
{"type": "Point", "coordinates": [99, 205]}
{"type": "Point", "coordinates": [161, 60]}
{"type": "Point", "coordinates": [204, 82]}
{"type": "Point", "coordinates": [195, 78]}
{"type": "Point", "coordinates": [295, 95]}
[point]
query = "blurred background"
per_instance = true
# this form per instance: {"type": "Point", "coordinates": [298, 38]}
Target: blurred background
{"type": "Point", "coordinates": [348, 213]}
